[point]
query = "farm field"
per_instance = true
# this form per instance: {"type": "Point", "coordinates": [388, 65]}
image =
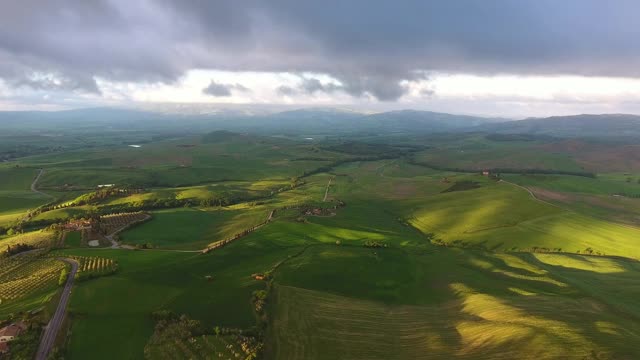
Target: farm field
{"type": "Point", "coordinates": [359, 254]}
{"type": "Point", "coordinates": [191, 229]}
{"type": "Point", "coordinates": [16, 198]}
{"type": "Point", "coordinates": [503, 217]}
{"type": "Point", "coordinates": [202, 159]}
{"type": "Point", "coordinates": [453, 304]}
{"type": "Point", "coordinates": [605, 184]}
{"type": "Point", "coordinates": [37, 239]}
{"type": "Point", "coordinates": [27, 281]}
{"type": "Point", "coordinates": [152, 280]}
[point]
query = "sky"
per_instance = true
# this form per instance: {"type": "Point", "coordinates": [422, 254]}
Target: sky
{"type": "Point", "coordinates": [498, 58]}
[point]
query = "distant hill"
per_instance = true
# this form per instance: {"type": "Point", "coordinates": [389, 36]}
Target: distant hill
{"type": "Point", "coordinates": [605, 125]}
{"type": "Point", "coordinates": [314, 121]}
{"type": "Point", "coordinates": [301, 121]}
{"type": "Point", "coordinates": [332, 120]}
{"type": "Point", "coordinates": [424, 121]}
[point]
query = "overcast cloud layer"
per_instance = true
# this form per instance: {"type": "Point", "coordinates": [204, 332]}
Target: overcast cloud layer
{"type": "Point", "coordinates": [370, 48]}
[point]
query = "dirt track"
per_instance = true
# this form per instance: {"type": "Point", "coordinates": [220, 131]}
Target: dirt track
{"type": "Point", "coordinates": [35, 183]}
{"type": "Point", "coordinates": [326, 192]}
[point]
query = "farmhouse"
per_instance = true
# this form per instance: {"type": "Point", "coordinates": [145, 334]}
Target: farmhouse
{"type": "Point", "coordinates": [74, 225]}
{"type": "Point", "coordinates": [486, 172]}
{"type": "Point", "coordinates": [9, 332]}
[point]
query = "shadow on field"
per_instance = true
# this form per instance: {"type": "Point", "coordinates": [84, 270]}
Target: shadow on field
{"type": "Point", "coordinates": [454, 304]}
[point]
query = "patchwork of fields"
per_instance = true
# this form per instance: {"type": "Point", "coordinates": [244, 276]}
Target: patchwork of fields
{"type": "Point", "coordinates": [357, 256]}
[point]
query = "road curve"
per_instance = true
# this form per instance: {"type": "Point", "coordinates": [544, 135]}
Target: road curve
{"type": "Point", "coordinates": [35, 183]}
{"type": "Point", "coordinates": [51, 330]}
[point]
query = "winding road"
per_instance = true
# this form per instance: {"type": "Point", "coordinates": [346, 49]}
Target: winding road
{"type": "Point", "coordinates": [51, 330]}
{"type": "Point", "coordinates": [533, 195]}
{"type": "Point", "coordinates": [35, 183]}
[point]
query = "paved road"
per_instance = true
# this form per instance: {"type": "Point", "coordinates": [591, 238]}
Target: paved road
{"type": "Point", "coordinates": [51, 330]}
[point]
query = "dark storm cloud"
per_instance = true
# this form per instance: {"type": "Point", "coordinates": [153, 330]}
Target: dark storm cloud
{"type": "Point", "coordinates": [371, 47]}
{"type": "Point", "coordinates": [287, 90]}
{"type": "Point", "coordinates": [309, 86]}
{"type": "Point", "coordinates": [218, 89]}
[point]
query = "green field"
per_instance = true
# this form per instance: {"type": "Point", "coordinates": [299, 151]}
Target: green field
{"type": "Point", "coordinates": [191, 229]}
{"type": "Point", "coordinates": [605, 184]}
{"type": "Point", "coordinates": [182, 162]}
{"type": "Point", "coordinates": [16, 198]}
{"type": "Point", "coordinates": [477, 152]}
{"type": "Point", "coordinates": [368, 255]}
{"type": "Point", "coordinates": [453, 304]}
{"type": "Point", "coordinates": [73, 239]}
{"type": "Point", "coordinates": [151, 280]}
{"type": "Point", "coordinates": [503, 217]}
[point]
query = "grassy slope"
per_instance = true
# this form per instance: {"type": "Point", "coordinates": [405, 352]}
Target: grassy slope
{"type": "Point", "coordinates": [345, 302]}
{"type": "Point", "coordinates": [496, 216]}
{"type": "Point", "coordinates": [16, 197]}
{"type": "Point", "coordinates": [603, 184]}
{"type": "Point", "coordinates": [502, 217]}
{"type": "Point", "coordinates": [414, 300]}
{"type": "Point", "coordinates": [39, 238]}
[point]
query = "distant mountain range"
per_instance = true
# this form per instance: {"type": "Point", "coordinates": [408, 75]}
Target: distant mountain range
{"type": "Point", "coordinates": [319, 121]}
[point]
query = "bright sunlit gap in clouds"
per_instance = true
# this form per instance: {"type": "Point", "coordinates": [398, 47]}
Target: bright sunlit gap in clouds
{"type": "Point", "coordinates": [497, 95]}
{"type": "Point", "coordinates": [505, 95]}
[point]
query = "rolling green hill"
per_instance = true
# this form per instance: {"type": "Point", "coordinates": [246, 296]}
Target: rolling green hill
{"type": "Point", "coordinates": [339, 247]}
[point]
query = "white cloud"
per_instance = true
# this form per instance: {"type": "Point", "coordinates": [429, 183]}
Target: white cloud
{"type": "Point", "coordinates": [500, 95]}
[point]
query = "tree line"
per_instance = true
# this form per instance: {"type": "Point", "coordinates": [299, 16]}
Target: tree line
{"type": "Point", "coordinates": [524, 171]}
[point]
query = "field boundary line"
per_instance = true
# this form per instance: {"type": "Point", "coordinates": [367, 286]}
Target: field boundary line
{"type": "Point", "coordinates": [223, 242]}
